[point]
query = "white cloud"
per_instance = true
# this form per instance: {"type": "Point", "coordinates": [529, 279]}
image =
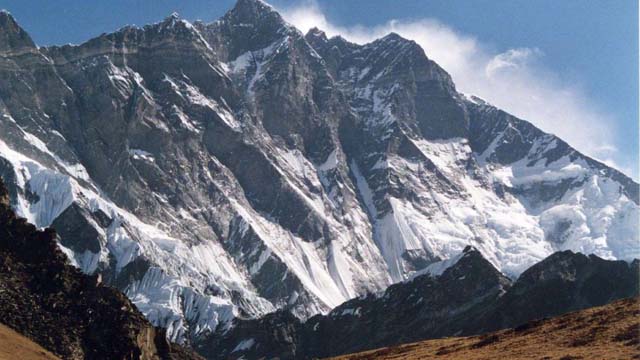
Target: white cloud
{"type": "Point", "coordinates": [512, 59]}
{"type": "Point", "coordinates": [512, 80]}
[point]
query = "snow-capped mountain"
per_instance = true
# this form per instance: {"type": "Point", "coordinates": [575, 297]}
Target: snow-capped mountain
{"type": "Point", "coordinates": [224, 170]}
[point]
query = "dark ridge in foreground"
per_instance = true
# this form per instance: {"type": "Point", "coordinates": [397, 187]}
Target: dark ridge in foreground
{"type": "Point", "coordinates": [68, 313]}
{"type": "Point", "coordinates": [607, 332]}
{"type": "Point", "coordinates": [470, 297]}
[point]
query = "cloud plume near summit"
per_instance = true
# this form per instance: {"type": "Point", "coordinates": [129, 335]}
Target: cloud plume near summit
{"type": "Point", "coordinates": [514, 80]}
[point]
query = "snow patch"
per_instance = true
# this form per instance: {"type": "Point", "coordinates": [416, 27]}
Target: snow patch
{"type": "Point", "coordinates": [244, 345]}
{"type": "Point", "coordinates": [139, 154]}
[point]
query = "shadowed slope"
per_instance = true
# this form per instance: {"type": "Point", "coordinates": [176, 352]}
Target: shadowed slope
{"type": "Point", "coordinates": [68, 313]}
{"type": "Point", "coordinates": [607, 332]}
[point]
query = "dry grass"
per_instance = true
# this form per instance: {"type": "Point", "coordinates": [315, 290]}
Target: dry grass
{"type": "Point", "coordinates": [608, 332]}
{"type": "Point", "coordinates": [15, 346]}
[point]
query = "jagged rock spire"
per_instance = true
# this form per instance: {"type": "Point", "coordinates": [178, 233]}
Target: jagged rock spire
{"type": "Point", "coordinates": [256, 13]}
{"type": "Point", "coordinates": [316, 37]}
{"type": "Point", "coordinates": [12, 36]}
{"type": "Point", "coordinates": [252, 8]}
{"type": "Point", "coordinates": [253, 25]}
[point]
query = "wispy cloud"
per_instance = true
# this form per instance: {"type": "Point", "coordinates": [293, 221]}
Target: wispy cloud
{"type": "Point", "coordinates": [513, 80]}
{"type": "Point", "coordinates": [512, 59]}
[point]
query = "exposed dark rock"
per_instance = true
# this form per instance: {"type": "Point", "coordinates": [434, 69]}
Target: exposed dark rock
{"type": "Point", "coordinates": [563, 282]}
{"type": "Point", "coordinates": [76, 231]}
{"type": "Point", "coordinates": [65, 311]}
{"type": "Point", "coordinates": [13, 39]}
{"type": "Point", "coordinates": [468, 298]}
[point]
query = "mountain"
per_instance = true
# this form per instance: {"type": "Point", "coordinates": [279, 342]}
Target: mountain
{"type": "Point", "coordinates": [226, 170]}
{"type": "Point", "coordinates": [69, 313]}
{"type": "Point", "coordinates": [607, 332]}
{"type": "Point", "coordinates": [564, 282]}
{"type": "Point", "coordinates": [461, 297]}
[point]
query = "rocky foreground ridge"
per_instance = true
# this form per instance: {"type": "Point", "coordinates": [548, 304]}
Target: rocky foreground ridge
{"type": "Point", "coordinates": [468, 297]}
{"type": "Point", "coordinates": [68, 313]}
{"type": "Point", "coordinates": [606, 332]}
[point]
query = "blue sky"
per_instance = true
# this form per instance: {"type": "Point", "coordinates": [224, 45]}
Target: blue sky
{"type": "Point", "coordinates": [569, 66]}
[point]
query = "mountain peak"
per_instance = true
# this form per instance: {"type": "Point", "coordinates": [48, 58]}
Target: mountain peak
{"type": "Point", "coordinates": [468, 257]}
{"type": "Point", "coordinates": [393, 36]}
{"type": "Point", "coordinates": [471, 260]}
{"type": "Point", "coordinates": [12, 36]}
{"type": "Point", "coordinates": [396, 40]}
{"type": "Point", "coordinates": [172, 20]}
{"type": "Point", "coordinates": [251, 10]}
{"type": "Point", "coordinates": [174, 24]}
{"type": "Point", "coordinates": [251, 25]}
{"type": "Point", "coordinates": [469, 249]}
{"type": "Point", "coordinates": [316, 38]}
{"type": "Point", "coordinates": [263, 5]}
{"type": "Point", "coordinates": [316, 33]}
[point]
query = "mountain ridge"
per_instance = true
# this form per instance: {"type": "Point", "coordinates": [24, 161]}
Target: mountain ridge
{"type": "Point", "coordinates": [608, 331]}
{"type": "Point", "coordinates": [464, 297]}
{"type": "Point", "coordinates": [213, 175]}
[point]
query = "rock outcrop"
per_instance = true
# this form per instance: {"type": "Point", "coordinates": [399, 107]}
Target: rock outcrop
{"type": "Point", "coordinates": [460, 297]}
{"type": "Point", "coordinates": [71, 314]}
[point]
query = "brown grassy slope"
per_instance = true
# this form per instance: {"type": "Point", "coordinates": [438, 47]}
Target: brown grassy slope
{"type": "Point", "coordinates": [15, 346]}
{"type": "Point", "coordinates": [606, 332]}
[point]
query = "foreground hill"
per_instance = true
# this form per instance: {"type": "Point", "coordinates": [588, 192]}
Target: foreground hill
{"type": "Point", "coordinates": [70, 314]}
{"type": "Point", "coordinates": [606, 332]}
{"type": "Point", "coordinates": [16, 346]}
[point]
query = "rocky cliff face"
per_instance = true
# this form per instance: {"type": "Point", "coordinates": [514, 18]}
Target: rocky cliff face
{"type": "Point", "coordinates": [462, 296]}
{"type": "Point", "coordinates": [71, 314]}
{"type": "Point", "coordinates": [603, 332]}
{"type": "Point", "coordinates": [564, 282]}
{"type": "Point", "coordinates": [227, 170]}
